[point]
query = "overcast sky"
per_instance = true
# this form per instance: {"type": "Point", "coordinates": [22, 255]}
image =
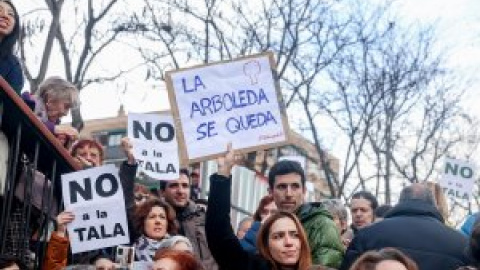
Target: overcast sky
{"type": "Point", "coordinates": [458, 27]}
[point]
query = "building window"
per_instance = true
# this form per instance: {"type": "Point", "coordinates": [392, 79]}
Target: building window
{"type": "Point", "coordinates": [114, 140]}
{"type": "Point", "coordinates": [111, 138]}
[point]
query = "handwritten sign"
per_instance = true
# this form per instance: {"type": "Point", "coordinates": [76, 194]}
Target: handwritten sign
{"type": "Point", "coordinates": [155, 146]}
{"type": "Point", "coordinates": [458, 179]}
{"type": "Point", "coordinates": [95, 196]}
{"type": "Point", "coordinates": [237, 101]}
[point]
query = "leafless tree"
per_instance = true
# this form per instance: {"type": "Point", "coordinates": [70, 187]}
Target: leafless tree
{"type": "Point", "coordinates": [396, 101]}
{"type": "Point", "coordinates": [218, 30]}
{"type": "Point", "coordinates": [382, 83]}
{"type": "Point", "coordinates": [214, 30]}
{"type": "Point", "coordinates": [89, 33]}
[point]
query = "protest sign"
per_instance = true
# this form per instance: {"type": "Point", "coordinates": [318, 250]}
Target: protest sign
{"type": "Point", "coordinates": [458, 179]}
{"type": "Point", "coordinates": [95, 196]}
{"type": "Point", "coordinates": [237, 101]}
{"type": "Point", "coordinates": [155, 146]}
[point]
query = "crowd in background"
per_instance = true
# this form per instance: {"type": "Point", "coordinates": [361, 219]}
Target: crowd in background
{"type": "Point", "coordinates": [170, 228]}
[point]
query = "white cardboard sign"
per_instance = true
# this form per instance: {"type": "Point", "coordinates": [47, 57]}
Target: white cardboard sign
{"type": "Point", "coordinates": [458, 179]}
{"type": "Point", "coordinates": [155, 145]}
{"type": "Point", "coordinates": [95, 196]}
{"type": "Point", "coordinates": [237, 101]}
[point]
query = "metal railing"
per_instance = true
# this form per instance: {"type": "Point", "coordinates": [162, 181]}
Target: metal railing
{"type": "Point", "coordinates": [32, 150]}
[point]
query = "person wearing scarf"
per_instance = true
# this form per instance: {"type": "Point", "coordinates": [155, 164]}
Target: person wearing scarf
{"type": "Point", "coordinates": [155, 220]}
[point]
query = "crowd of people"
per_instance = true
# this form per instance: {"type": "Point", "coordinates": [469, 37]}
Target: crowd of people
{"type": "Point", "coordinates": [172, 229]}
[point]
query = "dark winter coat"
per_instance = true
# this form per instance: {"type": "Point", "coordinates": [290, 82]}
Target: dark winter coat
{"type": "Point", "coordinates": [11, 71]}
{"type": "Point", "coordinates": [417, 229]}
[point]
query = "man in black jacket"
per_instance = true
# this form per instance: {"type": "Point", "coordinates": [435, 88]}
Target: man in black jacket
{"type": "Point", "coordinates": [415, 227]}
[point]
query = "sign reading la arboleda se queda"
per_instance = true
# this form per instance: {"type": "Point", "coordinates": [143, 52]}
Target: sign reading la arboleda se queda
{"type": "Point", "coordinates": [236, 101]}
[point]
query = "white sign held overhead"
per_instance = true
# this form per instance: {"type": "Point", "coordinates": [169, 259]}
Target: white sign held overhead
{"type": "Point", "coordinates": [237, 101]}
{"type": "Point", "coordinates": [458, 179]}
{"type": "Point", "coordinates": [155, 146]}
{"type": "Point", "coordinates": [95, 196]}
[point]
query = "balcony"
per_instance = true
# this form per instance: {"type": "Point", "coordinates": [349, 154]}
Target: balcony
{"type": "Point", "coordinates": [29, 143]}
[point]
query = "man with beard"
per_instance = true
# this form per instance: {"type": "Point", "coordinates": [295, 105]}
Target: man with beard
{"type": "Point", "coordinates": [362, 208]}
{"type": "Point", "coordinates": [191, 217]}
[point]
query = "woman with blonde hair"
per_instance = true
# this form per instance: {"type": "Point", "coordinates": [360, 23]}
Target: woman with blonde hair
{"type": "Point", "coordinates": [385, 259]}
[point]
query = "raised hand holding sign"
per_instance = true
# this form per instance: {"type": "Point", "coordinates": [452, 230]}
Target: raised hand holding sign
{"type": "Point", "coordinates": [95, 197]}
{"type": "Point", "coordinates": [225, 163]}
{"type": "Point", "coordinates": [155, 146]}
{"type": "Point", "coordinates": [236, 101]}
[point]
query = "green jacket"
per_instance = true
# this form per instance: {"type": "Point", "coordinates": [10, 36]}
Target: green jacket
{"type": "Point", "coordinates": [323, 236]}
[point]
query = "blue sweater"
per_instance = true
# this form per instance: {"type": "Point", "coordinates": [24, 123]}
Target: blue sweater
{"type": "Point", "coordinates": [468, 225]}
{"type": "Point", "coordinates": [11, 71]}
{"type": "Point", "coordinates": [249, 241]}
